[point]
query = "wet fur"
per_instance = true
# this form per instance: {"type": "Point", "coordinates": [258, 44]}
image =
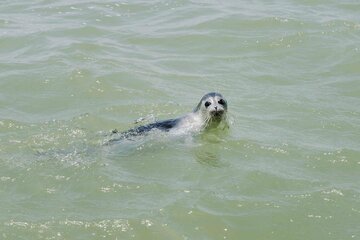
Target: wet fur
{"type": "Point", "coordinates": [207, 121]}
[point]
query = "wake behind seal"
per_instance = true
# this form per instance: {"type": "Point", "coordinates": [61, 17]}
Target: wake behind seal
{"type": "Point", "coordinates": [209, 113]}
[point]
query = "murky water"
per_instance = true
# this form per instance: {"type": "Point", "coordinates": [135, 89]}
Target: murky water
{"type": "Point", "coordinates": [71, 71]}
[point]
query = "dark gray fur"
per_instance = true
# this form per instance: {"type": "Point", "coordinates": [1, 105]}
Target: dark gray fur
{"type": "Point", "coordinates": [165, 126]}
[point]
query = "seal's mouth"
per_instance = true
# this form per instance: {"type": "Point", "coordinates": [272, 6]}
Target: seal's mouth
{"type": "Point", "coordinates": [217, 113]}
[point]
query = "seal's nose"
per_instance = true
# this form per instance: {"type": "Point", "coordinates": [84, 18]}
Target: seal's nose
{"type": "Point", "coordinates": [215, 108]}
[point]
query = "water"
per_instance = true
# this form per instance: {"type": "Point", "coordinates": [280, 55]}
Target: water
{"type": "Point", "coordinates": [71, 71]}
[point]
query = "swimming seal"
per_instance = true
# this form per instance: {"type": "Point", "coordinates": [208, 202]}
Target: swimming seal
{"type": "Point", "coordinates": [209, 113]}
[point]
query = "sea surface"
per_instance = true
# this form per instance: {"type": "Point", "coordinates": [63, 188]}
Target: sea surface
{"type": "Point", "coordinates": [72, 71]}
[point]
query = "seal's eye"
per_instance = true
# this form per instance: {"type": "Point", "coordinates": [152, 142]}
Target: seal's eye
{"type": "Point", "coordinates": [221, 101]}
{"type": "Point", "coordinates": [207, 104]}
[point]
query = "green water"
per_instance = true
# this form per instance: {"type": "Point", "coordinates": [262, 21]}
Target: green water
{"type": "Point", "coordinates": [71, 71]}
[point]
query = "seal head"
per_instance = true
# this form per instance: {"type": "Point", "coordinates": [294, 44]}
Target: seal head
{"type": "Point", "coordinates": [213, 109]}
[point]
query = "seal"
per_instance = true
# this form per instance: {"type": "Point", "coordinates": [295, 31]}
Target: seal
{"type": "Point", "coordinates": [210, 112]}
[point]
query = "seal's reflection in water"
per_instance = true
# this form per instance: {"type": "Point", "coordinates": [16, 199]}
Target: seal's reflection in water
{"type": "Point", "coordinates": [209, 151]}
{"type": "Point", "coordinates": [206, 148]}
